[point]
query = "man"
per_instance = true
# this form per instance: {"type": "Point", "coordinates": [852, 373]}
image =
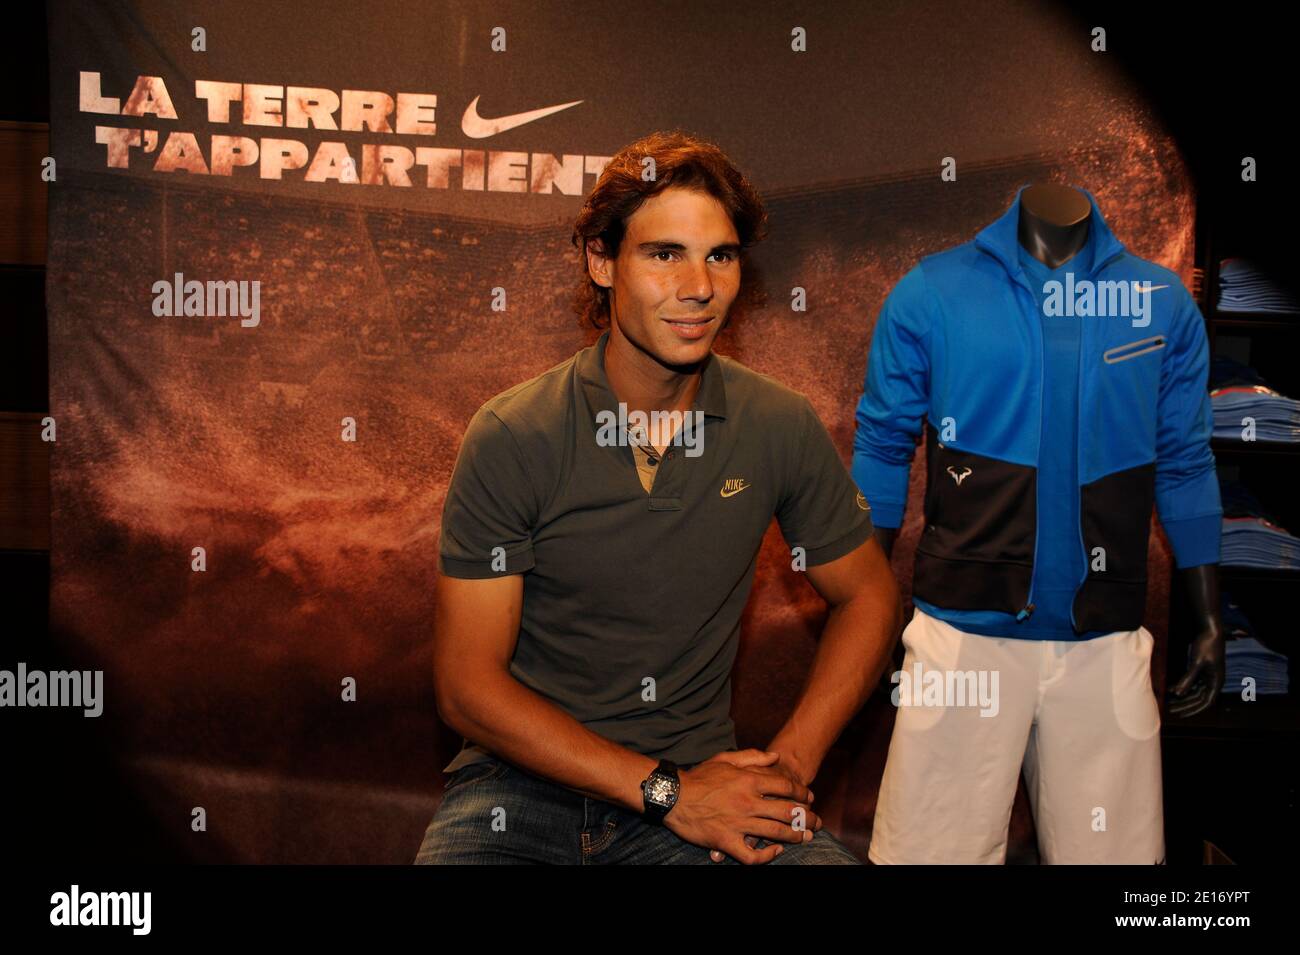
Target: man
{"type": "Point", "coordinates": [592, 576]}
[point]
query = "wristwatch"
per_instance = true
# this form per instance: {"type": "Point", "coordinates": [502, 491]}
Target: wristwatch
{"type": "Point", "coordinates": [659, 790]}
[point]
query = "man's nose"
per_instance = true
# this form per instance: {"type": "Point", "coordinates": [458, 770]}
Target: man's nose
{"type": "Point", "coordinates": [696, 282]}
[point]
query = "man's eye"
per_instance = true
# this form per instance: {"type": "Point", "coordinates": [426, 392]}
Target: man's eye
{"type": "Point", "coordinates": [722, 256]}
{"type": "Point", "coordinates": [667, 252]}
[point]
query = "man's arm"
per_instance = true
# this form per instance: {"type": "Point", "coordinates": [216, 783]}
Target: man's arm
{"type": "Point", "coordinates": [476, 625]}
{"type": "Point", "coordinates": [475, 629]}
{"type": "Point", "coordinates": [865, 618]}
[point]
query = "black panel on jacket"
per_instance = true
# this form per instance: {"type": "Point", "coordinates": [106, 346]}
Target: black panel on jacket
{"type": "Point", "coordinates": [1115, 598]}
{"type": "Point", "coordinates": [977, 549]}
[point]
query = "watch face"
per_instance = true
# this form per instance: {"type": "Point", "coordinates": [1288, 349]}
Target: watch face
{"type": "Point", "coordinates": [661, 789]}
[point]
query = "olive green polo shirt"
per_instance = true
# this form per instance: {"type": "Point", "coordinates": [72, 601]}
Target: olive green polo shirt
{"type": "Point", "coordinates": [633, 595]}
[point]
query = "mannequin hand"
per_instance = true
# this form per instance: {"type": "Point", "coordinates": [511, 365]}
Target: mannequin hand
{"type": "Point", "coordinates": [1200, 685]}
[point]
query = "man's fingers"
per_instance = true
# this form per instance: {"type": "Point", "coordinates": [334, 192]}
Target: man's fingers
{"type": "Point", "coordinates": [745, 758]}
{"type": "Point", "coordinates": [786, 812]}
{"type": "Point", "coordinates": [744, 854]}
{"type": "Point", "coordinates": [773, 782]}
{"type": "Point", "coordinates": [774, 831]}
{"type": "Point", "coordinates": [717, 856]}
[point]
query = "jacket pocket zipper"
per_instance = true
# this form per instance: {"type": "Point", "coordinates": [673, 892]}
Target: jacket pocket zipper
{"type": "Point", "coordinates": [1133, 349]}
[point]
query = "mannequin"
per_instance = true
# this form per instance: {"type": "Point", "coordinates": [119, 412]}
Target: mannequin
{"type": "Point", "coordinates": [1053, 227]}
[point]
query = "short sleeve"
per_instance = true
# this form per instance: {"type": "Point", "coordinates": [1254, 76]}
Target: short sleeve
{"type": "Point", "coordinates": [821, 509]}
{"type": "Point", "coordinates": [491, 508]}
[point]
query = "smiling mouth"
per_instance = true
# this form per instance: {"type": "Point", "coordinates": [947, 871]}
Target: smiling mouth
{"type": "Point", "coordinates": [688, 321]}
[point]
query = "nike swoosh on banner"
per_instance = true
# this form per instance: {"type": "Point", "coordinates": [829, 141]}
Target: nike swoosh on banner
{"type": "Point", "coordinates": [476, 127]}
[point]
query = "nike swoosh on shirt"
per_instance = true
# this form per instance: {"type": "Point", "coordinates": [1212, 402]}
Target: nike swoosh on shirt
{"type": "Point", "coordinates": [476, 127]}
{"type": "Point", "coordinates": [1148, 288]}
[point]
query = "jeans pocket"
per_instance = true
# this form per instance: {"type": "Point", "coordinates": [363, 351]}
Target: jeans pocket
{"type": "Point", "coordinates": [478, 771]}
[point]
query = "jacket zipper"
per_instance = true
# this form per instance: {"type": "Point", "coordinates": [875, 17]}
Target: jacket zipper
{"type": "Point", "coordinates": [1078, 488]}
{"type": "Point", "coordinates": [1036, 329]}
{"type": "Point", "coordinates": [1028, 608]}
{"type": "Point", "coordinates": [1078, 456]}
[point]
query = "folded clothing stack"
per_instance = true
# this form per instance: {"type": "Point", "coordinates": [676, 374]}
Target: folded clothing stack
{"type": "Point", "coordinates": [1245, 287]}
{"type": "Point", "coordinates": [1248, 659]}
{"type": "Point", "coordinates": [1252, 537]}
{"type": "Point", "coordinates": [1238, 392]}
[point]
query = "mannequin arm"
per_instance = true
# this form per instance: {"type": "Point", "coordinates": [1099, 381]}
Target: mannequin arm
{"type": "Point", "coordinates": [1200, 686]}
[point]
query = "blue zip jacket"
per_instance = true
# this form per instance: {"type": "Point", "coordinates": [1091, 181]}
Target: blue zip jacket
{"type": "Point", "coordinates": [958, 352]}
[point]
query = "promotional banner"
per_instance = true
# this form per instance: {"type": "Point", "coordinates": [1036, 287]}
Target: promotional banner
{"type": "Point", "coordinates": [293, 248]}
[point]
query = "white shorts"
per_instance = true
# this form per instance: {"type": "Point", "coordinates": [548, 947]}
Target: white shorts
{"type": "Point", "coordinates": [1079, 717]}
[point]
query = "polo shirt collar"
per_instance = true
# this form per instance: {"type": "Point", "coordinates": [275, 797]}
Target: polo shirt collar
{"type": "Point", "coordinates": [711, 397]}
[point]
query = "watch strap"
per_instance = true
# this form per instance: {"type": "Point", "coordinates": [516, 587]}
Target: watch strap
{"type": "Point", "coordinates": [654, 812]}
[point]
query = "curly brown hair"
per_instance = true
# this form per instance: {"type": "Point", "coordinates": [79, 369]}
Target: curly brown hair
{"type": "Point", "coordinates": [680, 159]}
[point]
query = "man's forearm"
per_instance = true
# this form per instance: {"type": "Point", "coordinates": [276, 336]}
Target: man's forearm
{"type": "Point", "coordinates": [524, 728]}
{"type": "Point", "coordinates": [854, 646]}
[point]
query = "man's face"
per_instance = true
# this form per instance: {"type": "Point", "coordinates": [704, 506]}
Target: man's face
{"type": "Point", "coordinates": [676, 275]}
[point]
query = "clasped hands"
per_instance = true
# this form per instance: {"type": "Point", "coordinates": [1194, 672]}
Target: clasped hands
{"type": "Point", "coordinates": [733, 799]}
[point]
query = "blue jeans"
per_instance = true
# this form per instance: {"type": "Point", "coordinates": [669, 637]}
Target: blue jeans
{"type": "Point", "coordinates": [495, 813]}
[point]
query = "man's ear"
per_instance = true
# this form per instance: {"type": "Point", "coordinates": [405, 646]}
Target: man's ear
{"type": "Point", "coordinates": [599, 266]}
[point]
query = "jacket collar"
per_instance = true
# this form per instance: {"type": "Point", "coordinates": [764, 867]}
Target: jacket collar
{"type": "Point", "coordinates": [1001, 238]}
{"type": "Point", "coordinates": [711, 397]}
